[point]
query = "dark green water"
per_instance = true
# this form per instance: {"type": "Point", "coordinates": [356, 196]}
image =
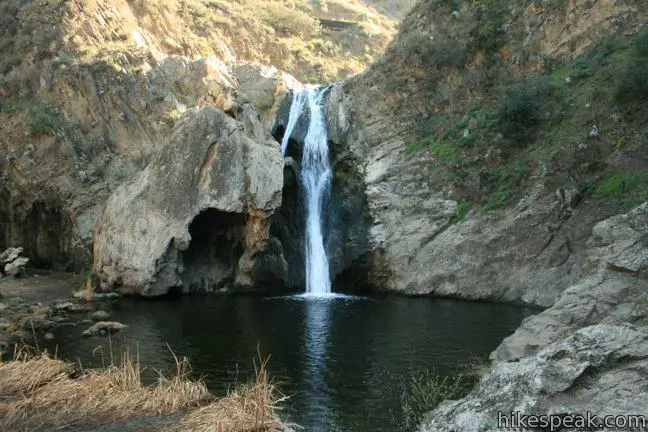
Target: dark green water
{"type": "Point", "coordinates": [341, 359]}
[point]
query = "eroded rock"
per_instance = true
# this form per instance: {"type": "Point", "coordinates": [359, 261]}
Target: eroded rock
{"type": "Point", "coordinates": [210, 166]}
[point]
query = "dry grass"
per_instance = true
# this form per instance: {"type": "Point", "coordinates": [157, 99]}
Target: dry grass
{"type": "Point", "coordinates": [39, 392]}
{"type": "Point", "coordinates": [249, 408]}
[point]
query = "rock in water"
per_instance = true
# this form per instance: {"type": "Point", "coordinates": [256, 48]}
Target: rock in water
{"type": "Point", "coordinates": [211, 170]}
{"type": "Point", "coordinates": [103, 328]}
{"type": "Point", "coordinates": [100, 315]}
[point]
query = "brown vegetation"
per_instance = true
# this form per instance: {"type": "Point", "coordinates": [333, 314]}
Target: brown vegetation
{"type": "Point", "coordinates": [39, 392]}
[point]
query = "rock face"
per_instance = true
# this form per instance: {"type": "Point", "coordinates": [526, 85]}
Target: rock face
{"type": "Point", "coordinates": [419, 241]}
{"type": "Point", "coordinates": [198, 213]}
{"type": "Point", "coordinates": [528, 254]}
{"type": "Point", "coordinates": [588, 352]}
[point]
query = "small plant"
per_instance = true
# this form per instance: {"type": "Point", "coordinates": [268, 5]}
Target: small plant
{"type": "Point", "coordinates": [580, 68]}
{"type": "Point", "coordinates": [499, 199]}
{"type": "Point", "coordinates": [42, 122]}
{"type": "Point", "coordinates": [422, 391]}
{"type": "Point", "coordinates": [462, 210]}
{"type": "Point", "coordinates": [616, 184]}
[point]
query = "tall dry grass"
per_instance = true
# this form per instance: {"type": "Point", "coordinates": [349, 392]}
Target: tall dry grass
{"type": "Point", "coordinates": [39, 392]}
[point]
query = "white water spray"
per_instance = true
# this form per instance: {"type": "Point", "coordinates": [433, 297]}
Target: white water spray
{"type": "Point", "coordinates": [315, 179]}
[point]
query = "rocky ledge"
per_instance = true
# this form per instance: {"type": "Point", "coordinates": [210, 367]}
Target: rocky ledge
{"type": "Point", "coordinates": [588, 352]}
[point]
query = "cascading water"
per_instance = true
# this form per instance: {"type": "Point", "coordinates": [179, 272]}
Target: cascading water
{"type": "Point", "coordinates": [315, 180]}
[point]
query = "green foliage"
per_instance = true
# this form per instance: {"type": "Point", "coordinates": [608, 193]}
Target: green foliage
{"type": "Point", "coordinates": [499, 199]}
{"type": "Point", "coordinates": [632, 84]}
{"type": "Point", "coordinates": [42, 122]}
{"type": "Point", "coordinates": [415, 145]}
{"type": "Point", "coordinates": [616, 184]}
{"type": "Point", "coordinates": [640, 44]}
{"type": "Point", "coordinates": [420, 50]}
{"type": "Point", "coordinates": [520, 113]}
{"type": "Point", "coordinates": [9, 62]}
{"type": "Point", "coordinates": [423, 391]}
{"type": "Point", "coordinates": [580, 68]}
{"type": "Point", "coordinates": [462, 210]}
{"type": "Point", "coordinates": [488, 33]}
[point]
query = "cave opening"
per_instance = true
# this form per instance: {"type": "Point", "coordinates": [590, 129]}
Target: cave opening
{"type": "Point", "coordinates": [210, 262]}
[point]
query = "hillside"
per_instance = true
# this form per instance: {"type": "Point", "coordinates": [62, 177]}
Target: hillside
{"type": "Point", "coordinates": [90, 89]}
{"type": "Point", "coordinates": [315, 41]}
{"type": "Point", "coordinates": [496, 120]}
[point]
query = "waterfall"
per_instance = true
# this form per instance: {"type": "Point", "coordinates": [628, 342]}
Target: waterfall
{"type": "Point", "coordinates": [315, 180]}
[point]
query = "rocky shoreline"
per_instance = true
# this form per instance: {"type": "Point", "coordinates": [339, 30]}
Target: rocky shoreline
{"type": "Point", "coordinates": [586, 353]}
{"type": "Point", "coordinates": [32, 308]}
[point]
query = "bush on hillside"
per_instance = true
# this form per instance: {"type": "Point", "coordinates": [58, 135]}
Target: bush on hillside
{"type": "Point", "coordinates": [42, 122]}
{"type": "Point", "coordinates": [419, 49]}
{"type": "Point", "coordinates": [519, 113]}
{"type": "Point", "coordinates": [632, 85]}
{"type": "Point", "coordinates": [287, 21]}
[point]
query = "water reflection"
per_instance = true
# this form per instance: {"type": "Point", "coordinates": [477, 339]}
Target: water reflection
{"type": "Point", "coordinates": [340, 358]}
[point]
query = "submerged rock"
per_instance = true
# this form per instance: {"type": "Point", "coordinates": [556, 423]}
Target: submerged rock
{"type": "Point", "coordinates": [103, 328]}
{"type": "Point", "coordinates": [100, 315]}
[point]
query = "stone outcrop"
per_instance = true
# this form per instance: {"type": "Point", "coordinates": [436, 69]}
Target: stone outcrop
{"type": "Point", "coordinates": [613, 289]}
{"type": "Point", "coordinates": [11, 263]}
{"type": "Point", "coordinates": [588, 352]}
{"type": "Point", "coordinates": [213, 171]}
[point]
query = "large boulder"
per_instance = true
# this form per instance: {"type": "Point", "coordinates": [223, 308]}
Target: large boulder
{"type": "Point", "coordinates": [197, 215]}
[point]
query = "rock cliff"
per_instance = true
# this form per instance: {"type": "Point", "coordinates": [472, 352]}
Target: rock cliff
{"type": "Point", "coordinates": [487, 189]}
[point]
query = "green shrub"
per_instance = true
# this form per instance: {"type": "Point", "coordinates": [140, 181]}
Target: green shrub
{"type": "Point", "coordinates": [616, 184]}
{"type": "Point", "coordinates": [420, 50]}
{"type": "Point", "coordinates": [632, 84]}
{"type": "Point", "coordinates": [462, 210]}
{"type": "Point", "coordinates": [499, 199]}
{"type": "Point", "coordinates": [580, 69]}
{"type": "Point", "coordinates": [520, 112]}
{"type": "Point", "coordinates": [42, 122]}
{"type": "Point", "coordinates": [423, 391]}
{"type": "Point", "coordinates": [488, 33]}
{"type": "Point", "coordinates": [640, 44]}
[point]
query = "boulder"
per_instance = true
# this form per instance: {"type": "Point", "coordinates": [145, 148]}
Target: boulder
{"type": "Point", "coordinates": [100, 315]}
{"type": "Point", "coordinates": [10, 254]}
{"type": "Point", "coordinates": [16, 267]}
{"type": "Point", "coordinates": [610, 289]}
{"type": "Point", "coordinates": [11, 263]}
{"type": "Point", "coordinates": [103, 328]}
{"type": "Point", "coordinates": [197, 215]}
